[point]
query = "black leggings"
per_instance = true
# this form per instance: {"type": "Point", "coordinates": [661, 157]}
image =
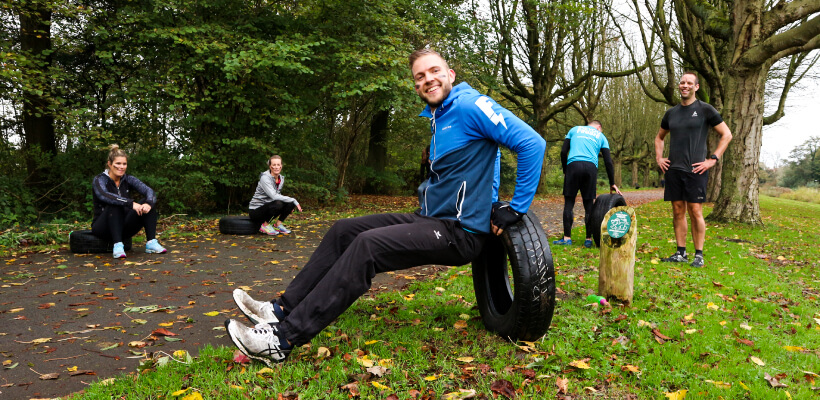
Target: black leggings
{"type": "Point", "coordinates": [117, 222]}
{"type": "Point", "coordinates": [569, 203]}
{"type": "Point", "coordinates": [267, 212]}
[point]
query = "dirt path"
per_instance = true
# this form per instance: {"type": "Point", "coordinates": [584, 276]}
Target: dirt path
{"type": "Point", "coordinates": [61, 311]}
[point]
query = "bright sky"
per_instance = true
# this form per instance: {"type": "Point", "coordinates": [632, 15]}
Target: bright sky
{"type": "Point", "coordinates": [802, 108]}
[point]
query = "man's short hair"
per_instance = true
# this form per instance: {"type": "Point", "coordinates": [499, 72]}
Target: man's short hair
{"type": "Point", "coordinates": [693, 73]}
{"type": "Point", "coordinates": [421, 53]}
{"type": "Point", "coordinates": [596, 122]}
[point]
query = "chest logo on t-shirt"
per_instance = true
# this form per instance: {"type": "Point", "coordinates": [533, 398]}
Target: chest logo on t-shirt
{"type": "Point", "coordinates": [484, 105]}
{"type": "Point", "coordinates": [695, 114]}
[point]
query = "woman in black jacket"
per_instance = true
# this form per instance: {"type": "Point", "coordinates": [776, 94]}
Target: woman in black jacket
{"type": "Point", "coordinates": [116, 215]}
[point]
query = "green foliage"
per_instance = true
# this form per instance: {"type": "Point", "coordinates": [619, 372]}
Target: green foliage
{"type": "Point", "coordinates": [803, 168]}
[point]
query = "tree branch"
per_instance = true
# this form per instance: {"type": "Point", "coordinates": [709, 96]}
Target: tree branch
{"type": "Point", "coordinates": [785, 13]}
{"type": "Point", "coordinates": [804, 37]}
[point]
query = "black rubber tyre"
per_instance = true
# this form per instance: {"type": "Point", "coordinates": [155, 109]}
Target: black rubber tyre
{"type": "Point", "coordinates": [234, 225]}
{"type": "Point", "coordinates": [602, 205]}
{"type": "Point", "coordinates": [524, 310]}
{"type": "Point", "coordinates": [85, 242]}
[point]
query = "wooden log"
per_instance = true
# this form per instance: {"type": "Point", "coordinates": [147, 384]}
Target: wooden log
{"type": "Point", "coordinates": [616, 268]}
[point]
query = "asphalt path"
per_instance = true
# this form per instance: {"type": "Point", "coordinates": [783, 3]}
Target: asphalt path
{"type": "Point", "coordinates": [79, 318]}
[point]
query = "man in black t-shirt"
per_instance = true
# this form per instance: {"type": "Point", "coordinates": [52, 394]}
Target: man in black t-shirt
{"type": "Point", "coordinates": [686, 168]}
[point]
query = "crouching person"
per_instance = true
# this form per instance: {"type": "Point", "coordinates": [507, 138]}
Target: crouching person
{"type": "Point", "coordinates": [116, 215]}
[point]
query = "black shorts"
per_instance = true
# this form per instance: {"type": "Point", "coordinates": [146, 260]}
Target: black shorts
{"type": "Point", "coordinates": [583, 176]}
{"type": "Point", "coordinates": [685, 186]}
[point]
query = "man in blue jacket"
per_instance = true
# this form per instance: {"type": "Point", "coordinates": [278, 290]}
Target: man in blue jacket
{"type": "Point", "coordinates": [455, 216]}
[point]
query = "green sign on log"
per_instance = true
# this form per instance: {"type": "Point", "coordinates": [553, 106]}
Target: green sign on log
{"type": "Point", "coordinates": [618, 224]}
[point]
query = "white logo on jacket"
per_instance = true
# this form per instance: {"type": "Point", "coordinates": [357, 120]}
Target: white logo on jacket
{"type": "Point", "coordinates": [484, 104]}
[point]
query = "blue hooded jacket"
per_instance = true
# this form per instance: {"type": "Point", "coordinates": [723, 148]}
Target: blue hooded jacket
{"type": "Point", "coordinates": [467, 129]}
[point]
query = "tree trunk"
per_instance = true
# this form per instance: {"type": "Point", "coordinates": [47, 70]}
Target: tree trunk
{"type": "Point", "coordinates": [635, 174]}
{"type": "Point", "coordinates": [743, 113]}
{"type": "Point", "coordinates": [38, 122]}
{"type": "Point", "coordinates": [377, 150]}
{"type": "Point", "coordinates": [616, 170]}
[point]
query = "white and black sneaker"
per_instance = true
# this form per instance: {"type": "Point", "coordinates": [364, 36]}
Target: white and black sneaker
{"type": "Point", "coordinates": [697, 262]}
{"type": "Point", "coordinates": [259, 312]}
{"type": "Point", "coordinates": [260, 343]}
{"type": "Point", "coordinates": [677, 257]}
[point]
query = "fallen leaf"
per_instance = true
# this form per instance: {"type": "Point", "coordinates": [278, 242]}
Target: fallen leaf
{"type": "Point", "coordinates": [465, 359]}
{"type": "Point", "coordinates": [379, 386]}
{"type": "Point", "coordinates": [47, 377]}
{"type": "Point", "coordinates": [211, 313]}
{"type": "Point", "coordinates": [720, 384]}
{"type": "Point", "coordinates": [323, 352]}
{"type": "Point", "coordinates": [166, 324]}
{"type": "Point", "coordinates": [180, 392]}
{"type": "Point", "coordinates": [504, 388]}
{"type": "Point", "coordinates": [757, 361]}
{"type": "Point", "coordinates": [773, 381]}
{"type": "Point", "coordinates": [658, 333]}
{"type": "Point", "coordinates": [679, 395]}
{"type": "Point", "coordinates": [240, 358]}
{"type": "Point", "coordinates": [163, 332]}
{"type": "Point", "coordinates": [460, 324]}
{"type": "Point", "coordinates": [137, 344]}
{"type": "Point", "coordinates": [712, 306]}
{"type": "Point", "coordinates": [266, 373]}
{"type": "Point", "coordinates": [793, 348]}
{"type": "Point", "coordinates": [747, 342]}
{"type": "Point", "coordinates": [82, 372]}
{"type": "Point", "coordinates": [581, 364]}
{"type": "Point", "coordinates": [461, 394]}
{"type": "Point", "coordinates": [353, 388]}
{"type": "Point", "coordinates": [631, 368]}
{"type": "Point", "coordinates": [561, 383]}
{"type": "Point", "coordinates": [193, 396]}
{"type": "Point", "coordinates": [377, 370]}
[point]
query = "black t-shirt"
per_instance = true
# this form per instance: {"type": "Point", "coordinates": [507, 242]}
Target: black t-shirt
{"type": "Point", "coordinates": [688, 127]}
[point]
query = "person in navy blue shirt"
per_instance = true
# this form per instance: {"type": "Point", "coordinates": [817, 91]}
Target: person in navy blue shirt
{"type": "Point", "coordinates": [579, 161]}
{"type": "Point", "coordinates": [456, 214]}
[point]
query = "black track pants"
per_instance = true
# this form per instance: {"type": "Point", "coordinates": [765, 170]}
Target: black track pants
{"type": "Point", "coordinates": [353, 251]}
{"type": "Point", "coordinates": [116, 223]}
{"type": "Point", "coordinates": [569, 203]}
{"type": "Point", "coordinates": [268, 211]}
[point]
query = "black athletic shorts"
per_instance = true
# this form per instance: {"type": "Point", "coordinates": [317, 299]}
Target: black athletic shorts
{"type": "Point", "coordinates": [686, 186]}
{"type": "Point", "coordinates": [583, 176]}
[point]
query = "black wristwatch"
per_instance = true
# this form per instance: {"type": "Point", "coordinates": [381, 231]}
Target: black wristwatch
{"type": "Point", "coordinates": [714, 157]}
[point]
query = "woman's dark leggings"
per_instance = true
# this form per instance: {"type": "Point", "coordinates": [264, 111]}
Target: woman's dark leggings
{"type": "Point", "coordinates": [117, 222]}
{"type": "Point", "coordinates": [569, 203]}
{"type": "Point", "coordinates": [270, 210]}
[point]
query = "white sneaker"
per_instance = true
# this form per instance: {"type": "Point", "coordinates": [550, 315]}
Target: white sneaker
{"type": "Point", "coordinates": [259, 312]}
{"type": "Point", "coordinates": [260, 343]}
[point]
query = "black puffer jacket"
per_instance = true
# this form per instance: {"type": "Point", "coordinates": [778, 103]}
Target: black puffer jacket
{"type": "Point", "coordinates": [107, 194]}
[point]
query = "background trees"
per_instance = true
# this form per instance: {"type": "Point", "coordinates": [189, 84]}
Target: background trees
{"type": "Point", "coordinates": [202, 91]}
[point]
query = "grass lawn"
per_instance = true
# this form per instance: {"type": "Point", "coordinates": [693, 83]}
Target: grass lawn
{"type": "Point", "coordinates": [715, 332]}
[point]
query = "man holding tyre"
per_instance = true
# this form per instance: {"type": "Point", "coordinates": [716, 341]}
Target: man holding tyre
{"type": "Point", "coordinates": [686, 169]}
{"type": "Point", "coordinates": [579, 161]}
{"type": "Point", "coordinates": [455, 217]}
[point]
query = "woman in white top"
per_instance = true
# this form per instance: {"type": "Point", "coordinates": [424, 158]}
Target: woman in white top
{"type": "Point", "coordinates": [269, 203]}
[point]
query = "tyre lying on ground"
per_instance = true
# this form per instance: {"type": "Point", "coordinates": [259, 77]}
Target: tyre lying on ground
{"type": "Point", "coordinates": [600, 207]}
{"type": "Point", "coordinates": [521, 308]}
{"type": "Point", "coordinates": [237, 225]}
{"type": "Point", "coordinates": [85, 242]}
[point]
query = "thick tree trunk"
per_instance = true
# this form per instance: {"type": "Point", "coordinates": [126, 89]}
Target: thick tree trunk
{"type": "Point", "coordinates": [38, 122]}
{"type": "Point", "coordinates": [377, 149]}
{"type": "Point", "coordinates": [635, 174]}
{"type": "Point", "coordinates": [743, 113]}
